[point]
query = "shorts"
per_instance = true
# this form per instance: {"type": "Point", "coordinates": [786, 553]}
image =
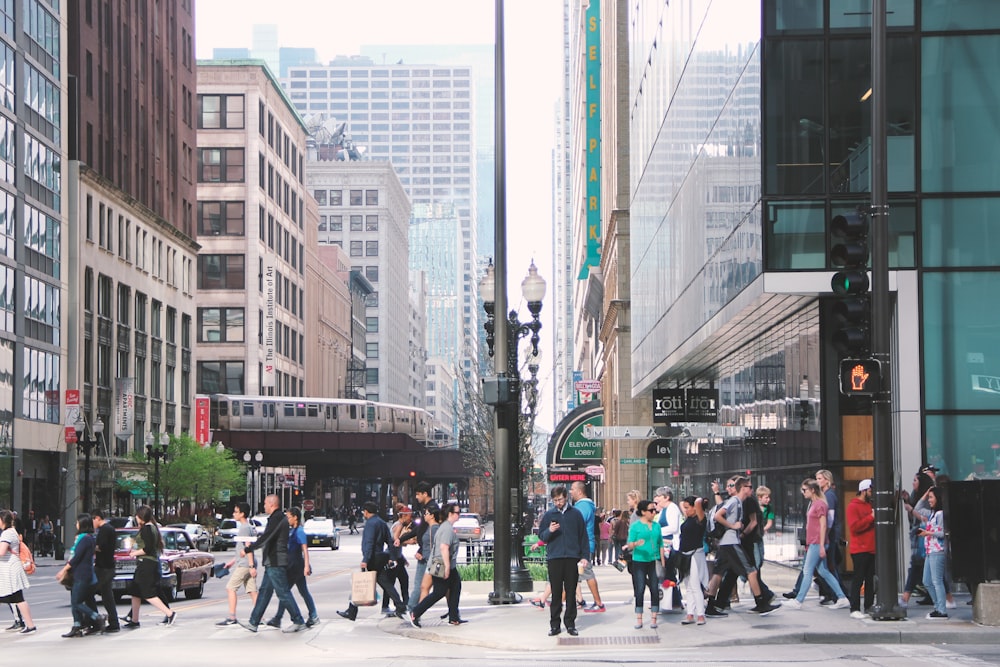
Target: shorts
{"type": "Point", "coordinates": [240, 576]}
{"type": "Point", "coordinates": [732, 558]}
{"type": "Point", "coordinates": [588, 572]}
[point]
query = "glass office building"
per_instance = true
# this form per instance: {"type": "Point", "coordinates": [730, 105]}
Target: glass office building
{"type": "Point", "coordinates": [750, 131]}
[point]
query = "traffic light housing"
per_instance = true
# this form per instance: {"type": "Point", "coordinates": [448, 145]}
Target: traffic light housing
{"type": "Point", "coordinates": [852, 310]}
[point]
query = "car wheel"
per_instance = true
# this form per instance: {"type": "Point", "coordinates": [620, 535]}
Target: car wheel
{"type": "Point", "coordinates": [195, 593]}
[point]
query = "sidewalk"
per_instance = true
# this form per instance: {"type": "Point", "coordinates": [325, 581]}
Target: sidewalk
{"type": "Point", "coordinates": [501, 627]}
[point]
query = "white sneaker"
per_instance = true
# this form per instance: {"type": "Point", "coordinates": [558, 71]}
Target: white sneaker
{"type": "Point", "coordinates": [950, 605]}
{"type": "Point", "coordinates": [842, 603]}
{"type": "Point", "coordinates": [860, 615]}
{"type": "Point", "coordinates": [792, 604]}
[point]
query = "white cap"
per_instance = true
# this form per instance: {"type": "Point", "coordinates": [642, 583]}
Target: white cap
{"type": "Point", "coordinates": [864, 485]}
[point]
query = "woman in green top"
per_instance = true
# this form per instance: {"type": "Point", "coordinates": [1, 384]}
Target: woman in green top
{"type": "Point", "coordinates": [646, 545]}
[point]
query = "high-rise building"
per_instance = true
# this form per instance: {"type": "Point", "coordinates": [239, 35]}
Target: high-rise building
{"type": "Point", "coordinates": [421, 117]}
{"type": "Point", "coordinates": [252, 215]}
{"type": "Point", "coordinates": [364, 210]}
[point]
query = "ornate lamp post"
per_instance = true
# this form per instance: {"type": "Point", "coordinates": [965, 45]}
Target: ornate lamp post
{"type": "Point", "coordinates": [504, 393]}
{"type": "Point", "coordinates": [253, 465]}
{"type": "Point", "coordinates": [85, 445]}
{"type": "Point", "coordinates": [157, 452]}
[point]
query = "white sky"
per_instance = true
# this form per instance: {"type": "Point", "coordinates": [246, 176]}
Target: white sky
{"type": "Point", "coordinates": [533, 62]}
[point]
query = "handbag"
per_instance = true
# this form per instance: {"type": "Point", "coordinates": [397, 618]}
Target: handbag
{"type": "Point", "coordinates": [436, 567]}
{"type": "Point", "coordinates": [363, 588]}
{"type": "Point", "coordinates": [65, 577]}
{"type": "Point", "coordinates": [27, 560]}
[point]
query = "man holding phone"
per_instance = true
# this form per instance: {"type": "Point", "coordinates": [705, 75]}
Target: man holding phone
{"type": "Point", "coordinates": [567, 550]}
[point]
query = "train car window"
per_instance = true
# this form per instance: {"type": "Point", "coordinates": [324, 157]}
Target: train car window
{"type": "Point", "coordinates": [371, 413]}
{"type": "Point", "coordinates": [247, 409]}
{"type": "Point", "coordinates": [300, 410]}
{"type": "Point", "coordinates": [223, 408]}
{"type": "Point", "coordinates": [354, 412]}
{"type": "Point", "coordinates": [289, 410]}
{"type": "Point", "coordinates": [312, 410]}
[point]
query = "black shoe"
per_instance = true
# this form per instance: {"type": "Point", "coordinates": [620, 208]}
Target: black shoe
{"type": "Point", "coordinates": [767, 598]}
{"type": "Point", "coordinates": [826, 602]}
{"type": "Point", "coordinates": [572, 632]}
{"type": "Point", "coordinates": [936, 614]}
{"type": "Point", "coordinates": [17, 625]}
{"type": "Point", "coordinates": [75, 631]}
{"type": "Point", "coordinates": [400, 612]}
{"type": "Point", "coordinates": [554, 631]}
{"type": "Point", "coordinates": [249, 626]}
{"type": "Point", "coordinates": [345, 614]}
{"type": "Point", "coordinates": [414, 620]}
{"type": "Point", "coordinates": [791, 595]}
{"type": "Point", "coordinates": [99, 624]}
{"type": "Point", "coordinates": [111, 629]}
{"type": "Point", "coordinates": [765, 609]}
{"type": "Point", "coordinates": [131, 625]}
{"type": "Point", "coordinates": [274, 623]}
{"type": "Point", "coordinates": [715, 612]}
{"type": "Point", "coordinates": [311, 621]}
{"type": "Point", "coordinates": [169, 620]}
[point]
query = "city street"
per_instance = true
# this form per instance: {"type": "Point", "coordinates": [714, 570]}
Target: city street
{"type": "Point", "coordinates": [502, 636]}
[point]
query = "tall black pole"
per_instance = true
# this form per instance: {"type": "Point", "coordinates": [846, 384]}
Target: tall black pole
{"type": "Point", "coordinates": [502, 593]}
{"type": "Point", "coordinates": [87, 444]}
{"type": "Point", "coordinates": [886, 529]}
{"type": "Point", "coordinates": [156, 489]}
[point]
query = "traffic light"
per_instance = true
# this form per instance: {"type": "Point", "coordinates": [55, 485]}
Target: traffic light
{"type": "Point", "coordinates": [852, 310]}
{"type": "Point", "coordinates": [860, 377]}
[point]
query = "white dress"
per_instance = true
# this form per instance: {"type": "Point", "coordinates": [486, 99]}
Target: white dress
{"type": "Point", "coordinates": [12, 576]}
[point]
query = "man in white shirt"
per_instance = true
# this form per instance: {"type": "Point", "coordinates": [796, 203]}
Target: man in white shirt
{"type": "Point", "coordinates": [670, 519]}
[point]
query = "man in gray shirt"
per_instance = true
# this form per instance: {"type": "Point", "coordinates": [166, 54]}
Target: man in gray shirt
{"type": "Point", "coordinates": [445, 546]}
{"type": "Point", "coordinates": [731, 556]}
{"type": "Point", "coordinates": [242, 567]}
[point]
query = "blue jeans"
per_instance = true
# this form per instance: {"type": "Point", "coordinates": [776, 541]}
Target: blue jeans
{"type": "Point", "coordinates": [814, 564]}
{"type": "Point", "coordinates": [418, 577]}
{"type": "Point", "coordinates": [82, 602]}
{"type": "Point", "coordinates": [934, 580]}
{"type": "Point", "coordinates": [644, 576]}
{"type": "Point", "coordinates": [275, 582]}
{"type": "Point", "coordinates": [303, 589]}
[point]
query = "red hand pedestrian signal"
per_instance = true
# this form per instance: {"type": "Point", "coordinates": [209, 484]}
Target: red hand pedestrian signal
{"type": "Point", "coordinates": [860, 377]}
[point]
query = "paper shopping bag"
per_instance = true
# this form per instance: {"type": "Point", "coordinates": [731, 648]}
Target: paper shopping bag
{"type": "Point", "coordinates": [363, 588]}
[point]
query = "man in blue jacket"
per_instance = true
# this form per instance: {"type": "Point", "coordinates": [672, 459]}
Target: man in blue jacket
{"type": "Point", "coordinates": [567, 552]}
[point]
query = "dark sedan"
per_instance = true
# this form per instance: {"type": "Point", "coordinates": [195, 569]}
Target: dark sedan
{"type": "Point", "coordinates": [182, 567]}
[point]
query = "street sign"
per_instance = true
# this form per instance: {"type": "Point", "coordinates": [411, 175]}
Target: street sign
{"type": "Point", "coordinates": [308, 506]}
{"type": "Point", "coordinates": [632, 462]}
{"type": "Point", "coordinates": [596, 432]}
{"type": "Point", "coordinates": [588, 386]}
{"type": "Point", "coordinates": [224, 495]}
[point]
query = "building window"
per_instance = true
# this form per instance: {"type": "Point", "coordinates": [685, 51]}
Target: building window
{"type": "Point", "coordinates": [371, 197]}
{"type": "Point", "coordinates": [356, 248]}
{"type": "Point", "coordinates": [220, 112]}
{"type": "Point", "coordinates": [336, 197]}
{"type": "Point", "coordinates": [221, 325]}
{"type": "Point", "coordinates": [336, 223]}
{"type": "Point", "coordinates": [221, 218]}
{"type": "Point", "coordinates": [371, 273]}
{"type": "Point", "coordinates": [371, 350]}
{"type": "Point", "coordinates": [221, 165]}
{"type": "Point", "coordinates": [356, 221]}
{"type": "Point", "coordinates": [371, 223]}
{"type": "Point", "coordinates": [371, 376]}
{"type": "Point", "coordinates": [320, 197]}
{"type": "Point", "coordinates": [371, 324]}
{"type": "Point", "coordinates": [221, 272]}
{"type": "Point", "coordinates": [356, 198]}
{"type": "Point", "coordinates": [220, 377]}
{"type": "Point", "coordinates": [41, 385]}
{"type": "Point", "coordinates": [371, 248]}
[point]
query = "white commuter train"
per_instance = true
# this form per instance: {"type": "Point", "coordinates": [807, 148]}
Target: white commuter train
{"type": "Point", "coordinates": [295, 413]}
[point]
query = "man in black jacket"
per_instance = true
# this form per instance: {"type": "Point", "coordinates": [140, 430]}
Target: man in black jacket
{"type": "Point", "coordinates": [567, 551]}
{"type": "Point", "coordinates": [104, 567]}
{"type": "Point", "coordinates": [375, 539]}
{"type": "Point", "coordinates": [273, 545]}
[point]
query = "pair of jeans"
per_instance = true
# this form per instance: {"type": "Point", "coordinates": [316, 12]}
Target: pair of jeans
{"type": "Point", "coordinates": [644, 576]}
{"type": "Point", "coordinates": [82, 602]}
{"type": "Point", "coordinates": [814, 564]}
{"type": "Point", "coordinates": [303, 589]}
{"type": "Point", "coordinates": [418, 577]}
{"type": "Point", "coordinates": [397, 574]}
{"type": "Point", "coordinates": [864, 572]}
{"type": "Point", "coordinates": [275, 582]}
{"type": "Point", "coordinates": [563, 576]}
{"type": "Point", "coordinates": [450, 588]}
{"type": "Point", "coordinates": [934, 565]}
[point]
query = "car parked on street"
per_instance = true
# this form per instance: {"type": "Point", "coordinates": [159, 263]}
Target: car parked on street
{"type": "Point", "coordinates": [321, 532]}
{"type": "Point", "coordinates": [469, 527]}
{"type": "Point", "coordinates": [200, 537]}
{"type": "Point", "coordinates": [183, 568]}
{"type": "Point", "coordinates": [225, 534]}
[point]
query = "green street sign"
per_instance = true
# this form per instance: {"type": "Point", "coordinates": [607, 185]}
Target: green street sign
{"type": "Point", "coordinates": [224, 495]}
{"type": "Point", "coordinates": [628, 462]}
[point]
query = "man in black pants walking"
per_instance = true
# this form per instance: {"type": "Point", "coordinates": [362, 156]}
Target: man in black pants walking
{"type": "Point", "coordinates": [567, 550]}
{"type": "Point", "coordinates": [104, 567]}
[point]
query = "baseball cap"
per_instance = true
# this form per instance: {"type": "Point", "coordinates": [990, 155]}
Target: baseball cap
{"type": "Point", "coordinates": [864, 485]}
{"type": "Point", "coordinates": [403, 509]}
{"type": "Point", "coordinates": [927, 468]}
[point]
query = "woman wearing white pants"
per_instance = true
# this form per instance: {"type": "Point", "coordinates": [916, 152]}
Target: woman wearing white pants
{"type": "Point", "coordinates": [693, 569]}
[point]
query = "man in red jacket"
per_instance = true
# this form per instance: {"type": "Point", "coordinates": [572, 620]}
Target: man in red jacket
{"type": "Point", "coordinates": [861, 531]}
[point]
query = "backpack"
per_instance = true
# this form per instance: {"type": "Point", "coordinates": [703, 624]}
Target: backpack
{"type": "Point", "coordinates": [27, 560]}
{"type": "Point", "coordinates": [714, 530]}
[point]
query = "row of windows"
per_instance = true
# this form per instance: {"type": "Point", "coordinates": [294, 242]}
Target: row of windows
{"type": "Point", "coordinates": [281, 241]}
{"type": "Point", "coordinates": [376, 73]}
{"type": "Point", "coordinates": [280, 141]}
{"type": "Point", "coordinates": [335, 223]}
{"type": "Point", "coordinates": [270, 179]}
{"type": "Point", "coordinates": [355, 197]}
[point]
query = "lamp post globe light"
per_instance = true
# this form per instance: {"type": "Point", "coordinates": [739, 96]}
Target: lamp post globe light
{"type": "Point", "coordinates": [504, 392]}
{"type": "Point", "coordinates": [85, 445]}
{"type": "Point", "coordinates": [253, 465]}
{"type": "Point", "coordinates": [157, 452]}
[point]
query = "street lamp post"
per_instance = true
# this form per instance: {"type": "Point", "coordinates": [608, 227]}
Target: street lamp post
{"type": "Point", "coordinates": [253, 465]}
{"type": "Point", "coordinates": [156, 453]}
{"type": "Point", "coordinates": [504, 393]}
{"type": "Point", "coordinates": [85, 445]}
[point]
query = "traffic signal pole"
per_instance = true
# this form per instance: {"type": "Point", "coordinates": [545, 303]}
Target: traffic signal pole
{"type": "Point", "coordinates": [885, 499]}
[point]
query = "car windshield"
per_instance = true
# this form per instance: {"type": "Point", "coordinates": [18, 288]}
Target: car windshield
{"type": "Point", "coordinates": [469, 517]}
{"type": "Point", "coordinates": [228, 524]}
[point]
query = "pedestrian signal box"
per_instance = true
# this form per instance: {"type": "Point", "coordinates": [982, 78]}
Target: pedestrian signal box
{"type": "Point", "coordinates": [860, 377]}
